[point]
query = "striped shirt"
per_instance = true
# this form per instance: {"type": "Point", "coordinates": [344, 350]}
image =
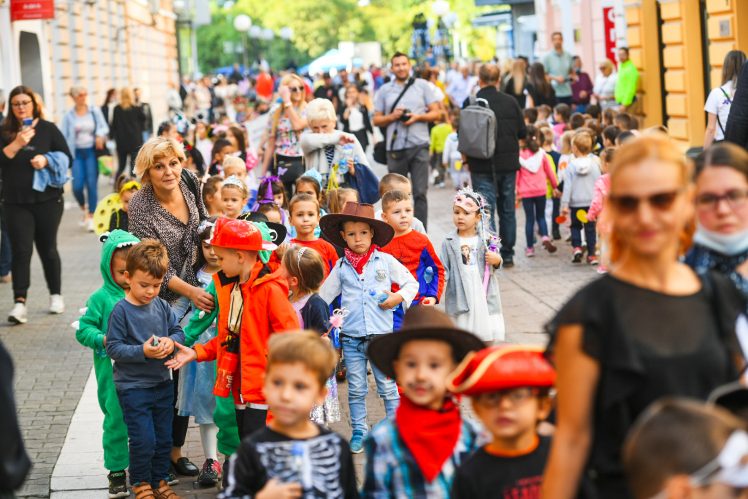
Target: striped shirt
{"type": "Point", "coordinates": [392, 472]}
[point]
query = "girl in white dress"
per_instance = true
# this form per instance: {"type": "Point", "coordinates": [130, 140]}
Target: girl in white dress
{"type": "Point", "coordinates": [470, 257]}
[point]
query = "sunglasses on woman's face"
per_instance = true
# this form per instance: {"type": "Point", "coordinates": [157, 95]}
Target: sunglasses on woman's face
{"type": "Point", "coordinates": [296, 89]}
{"type": "Point", "coordinates": [662, 201]}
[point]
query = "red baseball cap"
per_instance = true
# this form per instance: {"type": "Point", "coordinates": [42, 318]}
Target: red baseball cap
{"type": "Point", "coordinates": [502, 368]}
{"type": "Point", "coordinates": [239, 235]}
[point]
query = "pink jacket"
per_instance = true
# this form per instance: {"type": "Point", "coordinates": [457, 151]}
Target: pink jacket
{"type": "Point", "coordinates": [602, 188]}
{"type": "Point", "coordinates": [534, 173]}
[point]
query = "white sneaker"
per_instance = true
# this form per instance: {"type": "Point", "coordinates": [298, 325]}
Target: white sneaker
{"type": "Point", "coordinates": [18, 314]}
{"type": "Point", "coordinates": [56, 304]}
{"type": "Point", "coordinates": [90, 225]}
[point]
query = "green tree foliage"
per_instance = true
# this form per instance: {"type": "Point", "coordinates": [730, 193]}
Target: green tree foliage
{"type": "Point", "coordinates": [319, 25]}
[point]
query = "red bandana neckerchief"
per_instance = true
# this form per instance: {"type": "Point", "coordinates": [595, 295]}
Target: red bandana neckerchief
{"type": "Point", "coordinates": [358, 261]}
{"type": "Point", "coordinates": [429, 435]}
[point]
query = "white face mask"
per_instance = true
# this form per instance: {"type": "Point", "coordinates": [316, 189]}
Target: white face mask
{"type": "Point", "coordinates": [726, 244]}
{"type": "Point", "coordinates": [730, 467]}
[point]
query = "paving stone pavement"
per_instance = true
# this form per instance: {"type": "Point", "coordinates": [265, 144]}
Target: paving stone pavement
{"type": "Point", "coordinates": [52, 368]}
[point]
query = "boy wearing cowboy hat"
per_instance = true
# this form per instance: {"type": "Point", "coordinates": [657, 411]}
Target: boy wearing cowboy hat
{"type": "Point", "coordinates": [510, 390]}
{"type": "Point", "coordinates": [416, 453]}
{"type": "Point", "coordinates": [363, 279]}
{"type": "Point", "coordinates": [253, 304]}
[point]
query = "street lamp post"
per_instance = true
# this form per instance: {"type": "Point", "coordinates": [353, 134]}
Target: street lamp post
{"type": "Point", "coordinates": [242, 24]}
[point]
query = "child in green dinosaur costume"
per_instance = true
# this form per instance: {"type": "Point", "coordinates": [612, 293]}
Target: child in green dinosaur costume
{"type": "Point", "coordinates": [91, 333]}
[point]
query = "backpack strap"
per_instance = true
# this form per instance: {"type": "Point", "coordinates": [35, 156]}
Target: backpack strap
{"type": "Point", "coordinates": [729, 101]}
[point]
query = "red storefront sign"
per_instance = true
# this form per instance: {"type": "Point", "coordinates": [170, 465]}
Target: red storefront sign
{"type": "Point", "coordinates": [23, 10]}
{"type": "Point", "coordinates": [609, 27]}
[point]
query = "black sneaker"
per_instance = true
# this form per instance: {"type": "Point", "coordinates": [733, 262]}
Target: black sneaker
{"type": "Point", "coordinates": [117, 484]}
{"type": "Point", "coordinates": [210, 473]}
{"type": "Point", "coordinates": [577, 256]}
{"type": "Point", "coordinates": [556, 234]}
{"type": "Point", "coordinates": [507, 263]}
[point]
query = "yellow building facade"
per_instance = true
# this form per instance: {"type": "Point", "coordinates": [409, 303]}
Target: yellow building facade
{"type": "Point", "coordinates": [679, 46]}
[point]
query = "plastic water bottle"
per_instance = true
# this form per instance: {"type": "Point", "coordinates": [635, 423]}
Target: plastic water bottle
{"type": "Point", "coordinates": [301, 467]}
{"type": "Point", "coordinates": [346, 155]}
{"type": "Point", "coordinates": [428, 275]}
{"type": "Point", "coordinates": [379, 296]}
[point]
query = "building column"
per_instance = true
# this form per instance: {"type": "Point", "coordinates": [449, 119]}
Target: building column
{"type": "Point", "coordinates": [643, 41]}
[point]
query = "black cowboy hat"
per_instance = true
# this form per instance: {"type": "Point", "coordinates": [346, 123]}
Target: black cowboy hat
{"type": "Point", "coordinates": [421, 322]}
{"type": "Point", "coordinates": [332, 224]}
{"type": "Point", "coordinates": [278, 232]}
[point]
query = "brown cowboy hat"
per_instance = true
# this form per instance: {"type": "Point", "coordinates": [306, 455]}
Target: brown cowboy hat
{"type": "Point", "coordinates": [332, 224]}
{"type": "Point", "coordinates": [421, 322]}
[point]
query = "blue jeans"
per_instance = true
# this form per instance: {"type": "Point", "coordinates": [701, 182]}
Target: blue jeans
{"type": "Point", "coordinates": [85, 175]}
{"type": "Point", "coordinates": [534, 212]}
{"type": "Point", "coordinates": [590, 231]}
{"type": "Point", "coordinates": [502, 192]}
{"type": "Point", "coordinates": [148, 416]}
{"type": "Point", "coordinates": [355, 359]}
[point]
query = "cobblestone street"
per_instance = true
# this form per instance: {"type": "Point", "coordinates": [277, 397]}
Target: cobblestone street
{"type": "Point", "coordinates": [52, 368]}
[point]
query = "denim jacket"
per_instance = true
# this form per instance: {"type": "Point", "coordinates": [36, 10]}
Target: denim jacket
{"type": "Point", "coordinates": [455, 299]}
{"type": "Point", "coordinates": [364, 315]}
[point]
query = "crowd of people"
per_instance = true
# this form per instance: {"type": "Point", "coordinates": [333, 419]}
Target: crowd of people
{"type": "Point", "coordinates": [251, 213]}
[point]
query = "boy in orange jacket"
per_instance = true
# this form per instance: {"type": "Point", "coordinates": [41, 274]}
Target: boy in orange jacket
{"type": "Point", "coordinates": [256, 305]}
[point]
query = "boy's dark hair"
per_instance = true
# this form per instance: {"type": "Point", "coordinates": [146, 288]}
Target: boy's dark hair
{"type": "Point", "coordinates": [594, 111]}
{"type": "Point", "coordinates": [624, 136]}
{"type": "Point", "coordinates": [530, 114]}
{"type": "Point", "coordinates": [268, 207]}
{"type": "Point", "coordinates": [210, 187]}
{"type": "Point", "coordinates": [608, 154]}
{"type": "Point", "coordinates": [564, 111]}
{"type": "Point", "coordinates": [674, 437]}
{"type": "Point", "coordinates": [576, 121]}
{"type": "Point", "coordinates": [303, 347]}
{"type": "Point", "coordinates": [624, 121]}
{"type": "Point", "coordinates": [148, 256]}
{"type": "Point", "coordinates": [611, 132]}
{"type": "Point", "coordinates": [391, 197]}
{"type": "Point", "coordinates": [218, 146]}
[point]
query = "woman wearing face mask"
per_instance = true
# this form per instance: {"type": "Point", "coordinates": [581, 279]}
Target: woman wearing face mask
{"type": "Point", "coordinates": [721, 239]}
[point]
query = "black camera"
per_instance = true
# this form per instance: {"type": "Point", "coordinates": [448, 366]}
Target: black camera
{"type": "Point", "coordinates": [406, 115]}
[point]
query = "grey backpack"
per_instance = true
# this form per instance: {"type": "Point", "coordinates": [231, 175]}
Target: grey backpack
{"type": "Point", "coordinates": [476, 137]}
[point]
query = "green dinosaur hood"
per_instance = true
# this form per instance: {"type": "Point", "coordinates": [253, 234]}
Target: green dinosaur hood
{"type": "Point", "coordinates": [113, 241]}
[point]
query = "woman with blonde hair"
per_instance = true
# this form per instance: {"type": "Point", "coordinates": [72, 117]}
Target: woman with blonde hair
{"type": "Point", "coordinates": [516, 84]}
{"type": "Point", "coordinates": [169, 209]}
{"type": "Point", "coordinates": [287, 121]}
{"type": "Point", "coordinates": [650, 328]}
{"type": "Point", "coordinates": [128, 123]}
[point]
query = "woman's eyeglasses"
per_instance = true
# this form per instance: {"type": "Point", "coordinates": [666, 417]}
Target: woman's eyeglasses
{"type": "Point", "coordinates": [710, 201]}
{"type": "Point", "coordinates": [22, 103]}
{"type": "Point", "coordinates": [296, 89]}
{"type": "Point", "coordinates": [662, 201]}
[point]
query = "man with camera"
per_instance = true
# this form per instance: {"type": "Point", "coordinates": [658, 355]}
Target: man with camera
{"type": "Point", "coordinates": [405, 106]}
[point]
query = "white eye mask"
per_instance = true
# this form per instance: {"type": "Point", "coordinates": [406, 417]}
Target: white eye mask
{"type": "Point", "coordinates": [730, 467]}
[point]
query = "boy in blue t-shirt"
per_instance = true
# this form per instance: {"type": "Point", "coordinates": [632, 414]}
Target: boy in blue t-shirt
{"type": "Point", "coordinates": [141, 334]}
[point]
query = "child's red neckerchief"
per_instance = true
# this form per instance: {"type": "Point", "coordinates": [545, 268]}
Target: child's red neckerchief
{"type": "Point", "coordinates": [358, 261]}
{"type": "Point", "coordinates": [429, 435]}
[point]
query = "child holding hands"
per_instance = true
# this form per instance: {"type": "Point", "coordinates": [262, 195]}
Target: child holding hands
{"type": "Point", "coordinates": [142, 332]}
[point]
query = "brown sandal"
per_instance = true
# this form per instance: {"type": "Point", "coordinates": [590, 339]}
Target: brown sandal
{"type": "Point", "coordinates": [143, 491]}
{"type": "Point", "coordinates": [165, 492]}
